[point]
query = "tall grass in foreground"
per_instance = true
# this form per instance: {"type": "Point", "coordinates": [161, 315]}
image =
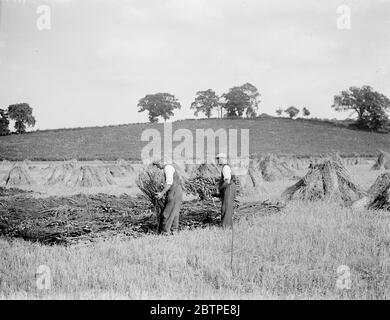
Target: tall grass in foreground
{"type": "Point", "coordinates": [294, 254]}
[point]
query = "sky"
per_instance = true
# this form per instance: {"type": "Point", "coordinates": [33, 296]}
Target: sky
{"type": "Point", "coordinates": [100, 57]}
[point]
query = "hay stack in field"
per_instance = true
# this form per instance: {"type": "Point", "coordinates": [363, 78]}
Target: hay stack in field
{"type": "Point", "coordinates": [249, 182]}
{"type": "Point", "coordinates": [382, 202]}
{"type": "Point", "coordinates": [79, 176]}
{"type": "Point", "coordinates": [251, 179]}
{"type": "Point", "coordinates": [129, 168]}
{"type": "Point", "coordinates": [87, 176]}
{"type": "Point", "coordinates": [349, 162]}
{"type": "Point", "coordinates": [272, 169]}
{"type": "Point", "coordinates": [207, 170]}
{"type": "Point", "coordinates": [27, 162]}
{"type": "Point", "coordinates": [335, 156]}
{"type": "Point", "coordinates": [379, 193]}
{"type": "Point", "coordinates": [244, 182]}
{"type": "Point", "coordinates": [116, 171]}
{"type": "Point", "coordinates": [60, 173]}
{"type": "Point", "coordinates": [328, 180]}
{"type": "Point", "coordinates": [380, 185]}
{"type": "Point", "coordinates": [6, 163]}
{"type": "Point", "coordinates": [150, 181]}
{"type": "Point", "coordinates": [204, 182]}
{"type": "Point", "coordinates": [295, 164]}
{"type": "Point", "coordinates": [18, 176]}
{"type": "Point", "coordinates": [255, 164]}
{"type": "Point", "coordinates": [204, 187]}
{"type": "Point", "coordinates": [383, 161]}
{"type": "Point", "coordinates": [378, 197]}
{"type": "Point", "coordinates": [256, 176]}
{"type": "Point", "coordinates": [125, 165]}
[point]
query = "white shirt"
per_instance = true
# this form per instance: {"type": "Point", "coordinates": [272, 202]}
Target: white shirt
{"type": "Point", "coordinates": [169, 170]}
{"type": "Point", "coordinates": [226, 172]}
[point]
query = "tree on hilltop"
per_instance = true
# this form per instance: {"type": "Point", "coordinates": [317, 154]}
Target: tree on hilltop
{"type": "Point", "coordinates": [205, 102]}
{"type": "Point", "coordinates": [292, 112]}
{"type": "Point", "coordinates": [21, 113]}
{"type": "Point", "coordinates": [159, 105]}
{"type": "Point", "coordinates": [369, 105]}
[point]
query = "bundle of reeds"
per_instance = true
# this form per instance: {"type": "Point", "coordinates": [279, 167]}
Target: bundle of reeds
{"type": "Point", "coordinates": [380, 193]}
{"type": "Point", "coordinates": [207, 170]}
{"type": "Point", "coordinates": [150, 181]}
{"type": "Point", "coordinates": [273, 168]}
{"type": "Point", "coordinates": [205, 182]}
{"type": "Point", "coordinates": [383, 161]}
{"type": "Point", "coordinates": [204, 187]}
{"type": "Point", "coordinates": [18, 176]}
{"type": "Point", "coordinates": [326, 180]}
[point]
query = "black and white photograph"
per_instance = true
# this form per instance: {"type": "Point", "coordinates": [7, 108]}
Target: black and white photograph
{"type": "Point", "coordinates": [222, 151]}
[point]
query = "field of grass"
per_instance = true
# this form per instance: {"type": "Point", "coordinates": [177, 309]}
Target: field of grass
{"type": "Point", "coordinates": [267, 135]}
{"type": "Point", "coordinates": [294, 254]}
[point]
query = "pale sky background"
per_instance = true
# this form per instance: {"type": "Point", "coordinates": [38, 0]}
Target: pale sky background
{"type": "Point", "coordinates": [101, 57]}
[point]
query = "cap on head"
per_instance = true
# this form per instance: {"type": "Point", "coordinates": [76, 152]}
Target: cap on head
{"type": "Point", "coordinates": [221, 156]}
{"type": "Point", "coordinates": [157, 163]}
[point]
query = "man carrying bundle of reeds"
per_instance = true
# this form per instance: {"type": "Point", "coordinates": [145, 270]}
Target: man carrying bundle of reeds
{"type": "Point", "coordinates": [169, 219]}
{"type": "Point", "coordinates": [227, 191]}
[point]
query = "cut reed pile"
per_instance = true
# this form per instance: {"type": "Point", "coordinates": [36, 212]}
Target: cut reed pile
{"type": "Point", "coordinates": [88, 176]}
{"type": "Point", "coordinates": [150, 181]}
{"type": "Point", "coordinates": [6, 163]}
{"type": "Point", "coordinates": [205, 181]}
{"type": "Point", "coordinates": [27, 162]}
{"type": "Point", "coordinates": [11, 192]}
{"type": "Point", "coordinates": [295, 163]}
{"type": "Point", "coordinates": [18, 176]}
{"type": "Point", "coordinates": [328, 180]}
{"type": "Point", "coordinates": [249, 181]}
{"type": "Point", "coordinates": [254, 172]}
{"type": "Point", "coordinates": [383, 161]}
{"type": "Point", "coordinates": [71, 175]}
{"type": "Point", "coordinates": [124, 165]}
{"type": "Point", "coordinates": [207, 170]}
{"type": "Point", "coordinates": [88, 218]}
{"type": "Point", "coordinates": [67, 220]}
{"type": "Point", "coordinates": [116, 171]}
{"type": "Point", "coordinates": [206, 188]}
{"type": "Point", "coordinates": [379, 193]}
{"type": "Point", "coordinates": [60, 173]}
{"type": "Point", "coordinates": [272, 169]}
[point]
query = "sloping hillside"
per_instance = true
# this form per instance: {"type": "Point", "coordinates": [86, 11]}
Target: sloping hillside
{"type": "Point", "coordinates": [267, 135]}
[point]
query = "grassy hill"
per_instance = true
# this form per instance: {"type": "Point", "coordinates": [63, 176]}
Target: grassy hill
{"type": "Point", "coordinates": [267, 135]}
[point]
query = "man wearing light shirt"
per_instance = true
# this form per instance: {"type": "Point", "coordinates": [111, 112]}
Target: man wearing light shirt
{"type": "Point", "coordinates": [169, 219]}
{"type": "Point", "coordinates": [227, 191]}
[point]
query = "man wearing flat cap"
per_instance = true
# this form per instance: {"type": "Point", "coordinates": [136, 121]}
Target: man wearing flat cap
{"type": "Point", "coordinates": [227, 191]}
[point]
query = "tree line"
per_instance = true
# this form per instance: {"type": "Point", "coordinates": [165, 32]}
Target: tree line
{"type": "Point", "coordinates": [369, 105]}
{"type": "Point", "coordinates": [237, 102]}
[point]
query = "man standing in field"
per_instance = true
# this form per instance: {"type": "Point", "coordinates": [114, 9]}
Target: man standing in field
{"type": "Point", "coordinates": [227, 191]}
{"type": "Point", "coordinates": [169, 219]}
